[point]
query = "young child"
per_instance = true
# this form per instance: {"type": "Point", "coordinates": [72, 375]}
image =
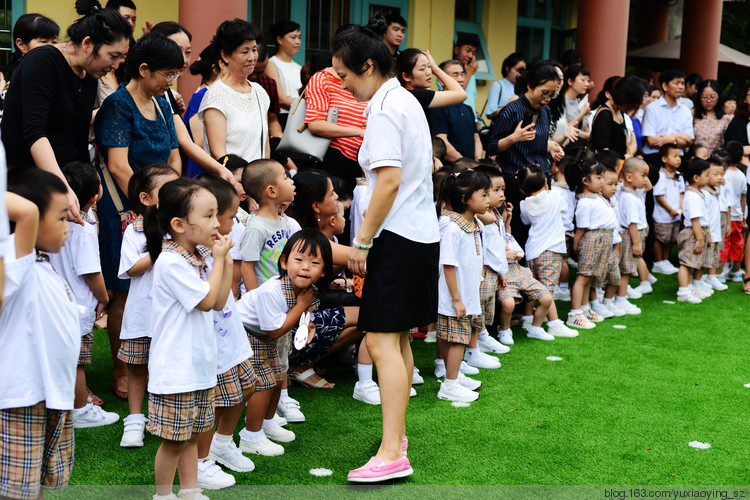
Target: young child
{"type": "Point", "coordinates": [334, 225]}
{"type": "Point", "coordinates": [40, 341]}
{"type": "Point", "coordinates": [733, 252]}
{"type": "Point", "coordinates": [560, 185]}
{"type": "Point", "coordinates": [711, 193]}
{"type": "Point", "coordinates": [136, 265]}
{"type": "Point", "coordinates": [631, 215]}
{"type": "Point", "coordinates": [692, 239]}
{"type": "Point", "coordinates": [78, 263]}
{"type": "Point", "coordinates": [668, 193]}
{"type": "Point", "coordinates": [182, 360]}
{"type": "Point", "coordinates": [459, 307]}
{"type": "Point", "coordinates": [606, 308]}
{"type": "Point", "coordinates": [270, 312]}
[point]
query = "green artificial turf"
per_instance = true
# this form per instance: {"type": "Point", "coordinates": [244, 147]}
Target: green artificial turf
{"type": "Point", "coordinates": [620, 408]}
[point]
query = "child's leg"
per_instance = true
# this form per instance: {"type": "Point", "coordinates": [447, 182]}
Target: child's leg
{"type": "Point", "coordinates": [580, 290]}
{"type": "Point", "coordinates": [697, 274]}
{"type": "Point", "coordinates": [454, 356]}
{"type": "Point", "coordinates": [622, 289]}
{"type": "Point", "coordinates": [257, 406]}
{"type": "Point", "coordinates": [609, 291]}
{"type": "Point", "coordinates": [683, 276]}
{"type": "Point", "coordinates": [507, 305]}
{"type": "Point", "coordinates": [659, 254]}
{"type": "Point", "coordinates": [187, 464]}
{"type": "Point", "coordinates": [114, 324]}
{"type": "Point", "coordinates": [546, 308]}
{"type": "Point", "coordinates": [273, 403]}
{"type": "Point", "coordinates": [137, 381]}
{"type": "Point", "coordinates": [81, 393]}
{"type": "Point", "coordinates": [642, 270]}
{"type": "Point", "coordinates": [564, 275]}
{"type": "Point", "coordinates": [165, 465]}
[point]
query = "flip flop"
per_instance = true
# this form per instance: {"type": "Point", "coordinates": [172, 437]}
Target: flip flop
{"type": "Point", "coordinates": [123, 395]}
{"type": "Point", "coordinates": [93, 398]}
{"type": "Point", "coordinates": [301, 378]}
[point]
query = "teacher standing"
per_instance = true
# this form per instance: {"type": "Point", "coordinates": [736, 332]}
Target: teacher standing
{"type": "Point", "coordinates": [397, 246]}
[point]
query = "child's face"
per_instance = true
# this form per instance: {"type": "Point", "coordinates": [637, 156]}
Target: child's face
{"type": "Point", "coordinates": [201, 226]}
{"type": "Point", "coordinates": [303, 269]}
{"type": "Point", "coordinates": [637, 178]}
{"type": "Point", "coordinates": [609, 184]}
{"type": "Point", "coordinates": [593, 183]}
{"type": "Point", "coordinates": [53, 225]}
{"type": "Point", "coordinates": [479, 201]}
{"type": "Point", "coordinates": [673, 159]}
{"type": "Point", "coordinates": [226, 219]}
{"type": "Point", "coordinates": [497, 191]}
{"type": "Point", "coordinates": [237, 174]}
{"type": "Point", "coordinates": [702, 179]}
{"type": "Point", "coordinates": [339, 222]}
{"type": "Point", "coordinates": [701, 153]}
{"type": "Point", "coordinates": [284, 186]}
{"type": "Point", "coordinates": [715, 175]}
{"type": "Point", "coordinates": [151, 198]}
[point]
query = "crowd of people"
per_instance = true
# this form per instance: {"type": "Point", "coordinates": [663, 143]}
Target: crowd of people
{"type": "Point", "coordinates": [224, 258]}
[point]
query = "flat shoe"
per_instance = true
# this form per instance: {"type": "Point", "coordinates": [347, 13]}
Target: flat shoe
{"type": "Point", "coordinates": [374, 471]}
{"type": "Point", "coordinates": [301, 378]}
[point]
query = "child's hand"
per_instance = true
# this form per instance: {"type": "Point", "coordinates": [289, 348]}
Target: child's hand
{"type": "Point", "coordinates": [100, 309]}
{"type": "Point", "coordinates": [699, 246]}
{"type": "Point", "coordinates": [511, 254]}
{"type": "Point", "coordinates": [221, 246]}
{"type": "Point", "coordinates": [673, 212]}
{"type": "Point", "coordinates": [460, 308]}
{"type": "Point", "coordinates": [744, 224]}
{"type": "Point", "coordinates": [502, 283]}
{"type": "Point", "coordinates": [508, 211]}
{"type": "Point", "coordinates": [637, 250]}
{"type": "Point", "coordinates": [306, 297]}
{"type": "Point", "coordinates": [310, 332]}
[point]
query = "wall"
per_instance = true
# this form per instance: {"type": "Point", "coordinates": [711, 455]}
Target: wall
{"type": "Point", "coordinates": [499, 28]}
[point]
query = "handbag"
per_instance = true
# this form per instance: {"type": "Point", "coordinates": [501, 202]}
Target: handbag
{"type": "Point", "coordinates": [298, 139]}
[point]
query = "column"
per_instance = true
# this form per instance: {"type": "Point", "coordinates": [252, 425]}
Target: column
{"type": "Point", "coordinates": [701, 32]}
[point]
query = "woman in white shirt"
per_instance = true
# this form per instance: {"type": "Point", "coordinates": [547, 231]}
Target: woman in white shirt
{"type": "Point", "coordinates": [397, 245]}
{"type": "Point", "coordinates": [284, 70]}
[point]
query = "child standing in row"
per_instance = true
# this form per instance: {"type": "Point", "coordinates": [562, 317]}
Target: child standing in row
{"type": "Point", "coordinates": [560, 185]}
{"type": "Point", "coordinates": [692, 239]}
{"type": "Point", "coordinates": [711, 193]}
{"type": "Point", "coordinates": [668, 193]}
{"type": "Point", "coordinates": [733, 252]}
{"type": "Point", "coordinates": [606, 308]}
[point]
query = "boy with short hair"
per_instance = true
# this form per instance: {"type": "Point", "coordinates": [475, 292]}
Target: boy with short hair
{"type": "Point", "coordinates": [711, 194]}
{"type": "Point", "coordinates": [40, 342]}
{"type": "Point", "coordinates": [692, 239]}
{"type": "Point", "coordinates": [668, 194]}
{"type": "Point", "coordinates": [733, 252]}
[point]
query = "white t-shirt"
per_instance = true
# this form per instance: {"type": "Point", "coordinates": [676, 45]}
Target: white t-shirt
{"type": "Point", "coordinates": [4, 225]}
{"type": "Point", "coordinates": [713, 214]}
{"type": "Point", "coordinates": [694, 207]}
{"type": "Point", "coordinates": [136, 318]}
{"type": "Point", "coordinates": [289, 74]}
{"type": "Point", "coordinates": [671, 188]}
{"type": "Point", "coordinates": [511, 243]}
{"type": "Point", "coordinates": [570, 204]}
{"type": "Point", "coordinates": [660, 119]}
{"type": "Point", "coordinates": [736, 184]}
{"type": "Point", "coordinates": [612, 203]}
{"type": "Point", "coordinates": [631, 209]}
{"type": "Point", "coordinates": [263, 309]}
{"type": "Point", "coordinates": [246, 115]}
{"type": "Point", "coordinates": [78, 257]}
{"type": "Point", "coordinates": [494, 249]}
{"type": "Point", "coordinates": [397, 135]}
{"type": "Point", "coordinates": [40, 337]}
{"type": "Point", "coordinates": [360, 201]}
{"type": "Point", "coordinates": [183, 345]}
{"type": "Point", "coordinates": [723, 198]}
{"type": "Point", "coordinates": [458, 249]}
{"type": "Point", "coordinates": [544, 212]}
{"type": "Point", "coordinates": [595, 213]}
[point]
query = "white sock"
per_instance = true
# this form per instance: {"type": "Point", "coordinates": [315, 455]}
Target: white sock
{"type": "Point", "coordinates": [555, 323]}
{"type": "Point", "coordinates": [472, 352]}
{"type": "Point", "coordinates": [585, 307]}
{"type": "Point", "coordinates": [564, 287]}
{"type": "Point", "coordinates": [284, 393]}
{"type": "Point", "coordinates": [440, 363]}
{"type": "Point", "coordinates": [683, 290]}
{"type": "Point", "coordinates": [527, 318]}
{"type": "Point", "coordinates": [575, 312]}
{"type": "Point", "coordinates": [364, 372]}
{"type": "Point", "coordinates": [594, 303]}
{"type": "Point", "coordinates": [483, 334]}
{"type": "Point", "coordinates": [608, 301]}
{"type": "Point", "coordinates": [696, 282]}
{"type": "Point", "coordinates": [269, 423]}
{"type": "Point", "coordinates": [508, 331]}
{"type": "Point", "coordinates": [222, 439]}
{"type": "Point", "coordinates": [621, 300]}
{"type": "Point", "coordinates": [449, 383]}
{"type": "Point", "coordinates": [201, 460]}
{"type": "Point", "coordinates": [537, 329]}
{"type": "Point", "coordinates": [252, 436]}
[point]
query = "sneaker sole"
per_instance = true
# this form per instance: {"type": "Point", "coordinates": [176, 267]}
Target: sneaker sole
{"type": "Point", "coordinates": [277, 440]}
{"type": "Point", "coordinates": [228, 465]}
{"type": "Point", "coordinates": [394, 475]}
{"type": "Point", "coordinates": [295, 420]}
{"type": "Point", "coordinates": [138, 444]}
{"type": "Point", "coordinates": [456, 400]}
{"type": "Point", "coordinates": [215, 487]}
{"type": "Point", "coordinates": [255, 452]}
{"type": "Point", "coordinates": [493, 367]}
{"type": "Point", "coordinates": [582, 327]}
{"type": "Point", "coordinates": [360, 398]}
{"type": "Point", "coordinates": [539, 338]}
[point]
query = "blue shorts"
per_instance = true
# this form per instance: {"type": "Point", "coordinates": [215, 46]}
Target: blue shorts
{"type": "Point", "coordinates": [329, 324]}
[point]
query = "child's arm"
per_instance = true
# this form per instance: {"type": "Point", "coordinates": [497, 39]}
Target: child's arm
{"type": "Point", "coordinates": [226, 284]}
{"type": "Point", "coordinates": [26, 216]}
{"type": "Point", "coordinates": [95, 282]}
{"type": "Point", "coordinates": [682, 196]}
{"type": "Point", "coordinates": [508, 216]}
{"type": "Point", "coordinates": [502, 284]}
{"type": "Point", "coordinates": [577, 237]}
{"type": "Point", "coordinates": [236, 276]}
{"type": "Point", "coordinates": [141, 266]}
{"type": "Point", "coordinates": [304, 299]}
{"type": "Point", "coordinates": [215, 280]}
{"type": "Point", "coordinates": [452, 282]}
{"type": "Point", "coordinates": [698, 231]}
{"type": "Point", "coordinates": [743, 205]}
{"type": "Point", "coordinates": [247, 270]}
{"type": "Point", "coordinates": [636, 239]}
{"type": "Point", "coordinates": [487, 218]}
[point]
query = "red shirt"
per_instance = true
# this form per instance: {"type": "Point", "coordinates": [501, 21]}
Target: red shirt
{"type": "Point", "coordinates": [269, 85]}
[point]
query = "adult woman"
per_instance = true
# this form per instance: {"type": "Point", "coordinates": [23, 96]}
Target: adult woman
{"type": "Point", "coordinates": [513, 66]}
{"type": "Point", "coordinates": [133, 128]}
{"type": "Point", "coordinates": [49, 102]}
{"type": "Point", "coordinates": [234, 111]}
{"type": "Point", "coordinates": [284, 70]}
{"type": "Point", "coordinates": [609, 129]}
{"type": "Point", "coordinates": [516, 145]}
{"type": "Point", "coordinates": [737, 128]}
{"type": "Point", "coordinates": [397, 246]}
{"type": "Point", "coordinates": [709, 122]}
{"type": "Point", "coordinates": [568, 111]}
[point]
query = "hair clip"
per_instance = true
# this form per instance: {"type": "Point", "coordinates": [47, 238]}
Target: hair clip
{"type": "Point", "coordinates": [455, 174]}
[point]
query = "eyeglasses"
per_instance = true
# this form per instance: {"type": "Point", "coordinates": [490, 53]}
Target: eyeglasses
{"type": "Point", "coordinates": [546, 94]}
{"type": "Point", "coordinates": [709, 97]}
{"type": "Point", "coordinates": [170, 78]}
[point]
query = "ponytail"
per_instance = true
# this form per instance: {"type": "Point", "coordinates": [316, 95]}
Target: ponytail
{"type": "Point", "coordinates": [584, 167]}
{"type": "Point", "coordinates": [102, 26]}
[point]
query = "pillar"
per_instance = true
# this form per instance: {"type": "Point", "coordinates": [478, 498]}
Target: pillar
{"type": "Point", "coordinates": [653, 23]}
{"type": "Point", "coordinates": [701, 32]}
{"type": "Point", "coordinates": [603, 38]}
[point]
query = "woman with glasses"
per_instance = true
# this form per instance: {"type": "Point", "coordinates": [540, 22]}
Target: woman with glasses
{"type": "Point", "coordinates": [710, 122]}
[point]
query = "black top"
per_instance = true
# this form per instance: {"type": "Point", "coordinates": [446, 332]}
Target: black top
{"type": "Point", "coordinates": [458, 123]}
{"type": "Point", "coordinates": [425, 96]}
{"type": "Point", "coordinates": [47, 99]}
{"type": "Point", "coordinates": [737, 131]}
{"type": "Point", "coordinates": [606, 133]}
{"type": "Point", "coordinates": [520, 153]}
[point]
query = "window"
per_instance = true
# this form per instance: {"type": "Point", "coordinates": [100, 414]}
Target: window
{"type": "Point", "coordinates": [323, 19]}
{"type": "Point", "coordinates": [6, 30]}
{"type": "Point", "coordinates": [468, 16]}
{"type": "Point", "coordinates": [264, 14]}
{"type": "Point", "coordinates": [541, 30]}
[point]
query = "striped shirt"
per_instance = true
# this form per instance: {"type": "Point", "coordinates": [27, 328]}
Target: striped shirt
{"type": "Point", "coordinates": [520, 153]}
{"type": "Point", "coordinates": [323, 92]}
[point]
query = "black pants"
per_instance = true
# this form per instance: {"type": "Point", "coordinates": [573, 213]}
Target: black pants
{"type": "Point", "coordinates": [514, 196]}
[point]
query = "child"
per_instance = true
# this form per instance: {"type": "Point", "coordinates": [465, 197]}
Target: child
{"type": "Point", "coordinates": [78, 263]}
{"type": "Point", "coordinates": [40, 341]}
{"type": "Point", "coordinates": [561, 187]}
{"type": "Point", "coordinates": [733, 252]}
{"type": "Point", "coordinates": [711, 193]}
{"type": "Point", "coordinates": [136, 265]}
{"type": "Point", "coordinates": [467, 194]}
{"type": "Point", "coordinates": [692, 239]}
{"type": "Point", "coordinates": [593, 238]}
{"type": "Point", "coordinates": [270, 312]}
{"type": "Point", "coordinates": [668, 193]}
{"type": "Point", "coordinates": [182, 359]}
{"type": "Point", "coordinates": [607, 307]}
{"type": "Point", "coordinates": [334, 225]}
{"type": "Point", "coordinates": [631, 215]}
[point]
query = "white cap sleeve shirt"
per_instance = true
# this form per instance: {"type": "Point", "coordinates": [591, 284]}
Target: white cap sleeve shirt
{"type": "Point", "coordinates": [458, 249]}
{"type": "Point", "coordinates": [671, 189]}
{"type": "Point", "coordinates": [593, 213]}
{"type": "Point", "coordinates": [736, 186]}
{"type": "Point", "coordinates": [723, 198]}
{"type": "Point", "coordinates": [136, 318]}
{"type": "Point", "coordinates": [263, 309]}
{"type": "Point", "coordinates": [494, 249]}
{"type": "Point", "coordinates": [183, 345]}
{"type": "Point", "coordinates": [616, 238]}
{"type": "Point", "coordinates": [544, 212]}
{"type": "Point", "coordinates": [631, 209]}
{"type": "Point", "coordinates": [397, 135]}
{"type": "Point", "coordinates": [570, 205]}
{"type": "Point", "coordinates": [694, 207]}
{"type": "Point", "coordinates": [713, 214]}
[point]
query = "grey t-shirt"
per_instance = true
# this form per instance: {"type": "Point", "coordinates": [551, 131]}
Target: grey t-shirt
{"type": "Point", "coordinates": [262, 243]}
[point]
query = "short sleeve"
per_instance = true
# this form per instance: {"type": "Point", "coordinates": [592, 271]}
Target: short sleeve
{"type": "Point", "coordinates": [660, 188]}
{"type": "Point", "coordinates": [389, 133]}
{"type": "Point", "coordinates": [213, 100]}
{"type": "Point", "coordinates": [168, 118]}
{"type": "Point", "coordinates": [16, 274]}
{"type": "Point", "coordinates": [130, 253]}
{"type": "Point", "coordinates": [180, 279]}
{"type": "Point", "coordinates": [293, 225]}
{"type": "Point", "coordinates": [271, 306]}
{"type": "Point", "coordinates": [583, 214]}
{"type": "Point", "coordinates": [524, 215]}
{"type": "Point", "coordinates": [237, 232]}
{"type": "Point", "coordinates": [114, 122]}
{"type": "Point", "coordinates": [85, 251]}
{"type": "Point", "coordinates": [440, 121]}
{"type": "Point", "coordinates": [631, 209]}
{"type": "Point", "coordinates": [317, 98]}
{"type": "Point", "coordinates": [424, 97]}
{"type": "Point", "coordinates": [251, 244]}
{"type": "Point", "coordinates": [493, 98]}
{"type": "Point", "coordinates": [449, 247]}
{"type": "Point", "coordinates": [693, 207]}
{"type": "Point", "coordinates": [649, 120]}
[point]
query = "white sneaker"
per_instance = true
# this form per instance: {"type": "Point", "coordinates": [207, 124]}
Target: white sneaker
{"type": "Point", "coordinates": [665, 267]}
{"type": "Point", "coordinates": [94, 416]}
{"type": "Point", "coordinates": [614, 309]}
{"type": "Point", "coordinates": [539, 334]}
{"type": "Point", "coordinates": [439, 369]}
{"type": "Point", "coordinates": [133, 434]}
{"type": "Point", "coordinates": [629, 308]}
{"type": "Point", "coordinates": [468, 382]}
{"type": "Point", "coordinates": [633, 294]}
{"type": "Point", "coordinates": [714, 283]}
{"type": "Point", "coordinates": [671, 268]}
{"type": "Point", "coordinates": [580, 321]}
{"type": "Point", "coordinates": [652, 279]}
{"type": "Point", "coordinates": [289, 409]}
{"type": "Point", "coordinates": [481, 360]}
{"type": "Point", "coordinates": [468, 370]}
{"type": "Point", "coordinates": [457, 393]}
{"type": "Point", "coordinates": [506, 338]}
{"type": "Point", "coordinates": [264, 447]}
{"type": "Point", "coordinates": [228, 455]}
{"type": "Point", "coordinates": [644, 288]}
{"type": "Point", "coordinates": [412, 392]}
{"type": "Point", "coordinates": [279, 434]}
{"type": "Point", "coordinates": [491, 344]}
{"type": "Point", "coordinates": [601, 310]}
{"type": "Point", "coordinates": [689, 298]}
{"type": "Point", "coordinates": [700, 292]}
{"type": "Point", "coordinates": [192, 494]}
{"type": "Point", "coordinates": [211, 477]}
{"type": "Point", "coordinates": [736, 277]}
{"type": "Point", "coordinates": [279, 419]}
{"type": "Point", "coordinates": [562, 295]}
{"type": "Point", "coordinates": [416, 378]}
{"type": "Point", "coordinates": [430, 337]}
{"type": "Point", "coordinates": [561, 331]}
{"type": "Point", "coordinates": [592, 316]}
{"type": "Point", "coordinates": [367, 392]}
{"type": "Point", "coordinates": [722, 276]}
{"type": "Point", "coordinates": [525, 323]}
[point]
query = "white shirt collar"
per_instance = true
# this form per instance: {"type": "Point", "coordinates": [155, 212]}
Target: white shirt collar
{"type": "Point", "coordinates": [389, 85]}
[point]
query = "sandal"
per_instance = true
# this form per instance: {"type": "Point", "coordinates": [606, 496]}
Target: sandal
{"type": "Point", "coordinates": [101, 322]}
{"type": "Point", "coordinates": [93, 398]}
{"type": "Point", "coordinates": [119, 394]}
{"type": "Point", "coordinates": [301, 378]}
{"type": "Point", "coordinates": [744, 285]}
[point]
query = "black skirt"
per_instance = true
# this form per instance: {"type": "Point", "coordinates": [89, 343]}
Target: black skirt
{"type": "Point", "coordinates": [400, 290]}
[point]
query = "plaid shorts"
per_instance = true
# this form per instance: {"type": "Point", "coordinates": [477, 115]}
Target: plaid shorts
{"type": "Point", "coordinates": [687, 242]}
{"type": "Point", "coordinates": [134, 351]}
{"type": "Point", "coordinates": [725, 220]}
{"type": "Point", "coordinates": [593, 249]}
{"type": "Point", "coordinates": [521, 283]}
{"type": "Point", "coordinates": [177, 417]}
{"type": "Point", "coordinates": [36, 450]}
{"type": "Point", "coordinates": [231, 384]}
{"type": "Point", "coordinates": [667, 232]}
{"type": "Point", "coordinates": [613, 274]}
{"type": "Point", "coordinates": [546, 268]}
{"type": "Point", "coordinates": [265, 361]}
{"type": "Point", "coordinates": [87, 349]}
{"type": "Point", "coordinates": [458, 331]}
{"type": "Point", "coordinates": [628, 261]}
{"type": "Point", "coordinates": [487, 294]}
{"type": "Point", "coordinates": [712, 259]}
